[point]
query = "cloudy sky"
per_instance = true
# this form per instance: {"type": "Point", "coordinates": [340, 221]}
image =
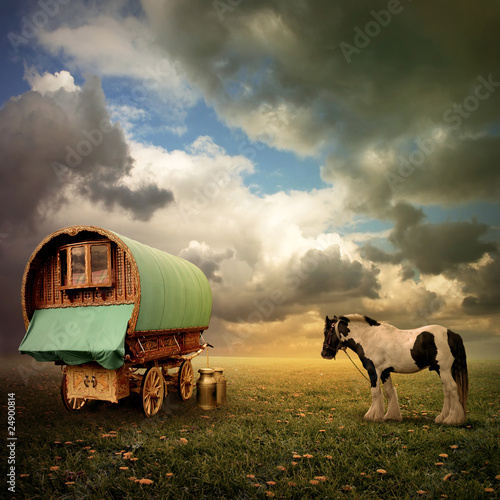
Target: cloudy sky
{"type": "Point", "coordinates": [311, 157]}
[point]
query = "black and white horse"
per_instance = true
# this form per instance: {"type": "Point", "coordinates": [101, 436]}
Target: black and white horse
{"type": "Point", "coordinates": [383, 349]}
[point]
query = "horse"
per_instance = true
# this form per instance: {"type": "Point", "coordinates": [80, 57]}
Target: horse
{"type": "Point", "coordinates": [383, 349]}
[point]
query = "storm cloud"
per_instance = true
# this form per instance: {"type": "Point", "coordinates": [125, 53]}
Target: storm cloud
{"type": "Point", "coordinates": [431, 248]}
{"type": "Point", "coordinates": [481, 286]}
{"type": "Point", "coordinates": [58, 145]}
{"type": "Point", "coordinates": [207, 259]}
{"type": "Point", "coordinates": [284, 68]}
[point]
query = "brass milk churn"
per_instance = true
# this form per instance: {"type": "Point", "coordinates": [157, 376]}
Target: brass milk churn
{"type": "Point", "coordinates": [220, 381]}
{"type": "Point", "coordinates": [206, 387]}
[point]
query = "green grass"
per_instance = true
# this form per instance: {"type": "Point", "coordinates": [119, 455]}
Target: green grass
{"type": "Point", "coordinates": [290, 429]}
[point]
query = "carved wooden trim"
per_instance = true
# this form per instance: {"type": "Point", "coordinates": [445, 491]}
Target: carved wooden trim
{"type": "Point", "coordinates": [148, 333]}
{"type": "Point", "coordinates": [38, 259]}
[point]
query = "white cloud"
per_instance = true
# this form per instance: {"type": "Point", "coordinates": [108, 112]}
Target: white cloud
{"type": "Point", "coordinates": [120, 48]}
{"type": "Point", "coordinates": [49, 82]}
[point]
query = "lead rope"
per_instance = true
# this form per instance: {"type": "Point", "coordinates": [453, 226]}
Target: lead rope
{"type": "Point", "coordinates": [357, 368]}
{"type": "Point", "coordinates": [345, 350]}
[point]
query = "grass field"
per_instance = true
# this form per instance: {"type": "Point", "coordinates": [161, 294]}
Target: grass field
{"type": "Point", "coordinates": [290, 429]}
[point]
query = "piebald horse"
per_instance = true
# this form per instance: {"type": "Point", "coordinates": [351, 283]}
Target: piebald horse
{"type": "Point", "coordinates": [383, 349]}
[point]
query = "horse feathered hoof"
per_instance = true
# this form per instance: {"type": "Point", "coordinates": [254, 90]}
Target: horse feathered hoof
{"type": "Point", "coordinates": [372, 416]}
{"type": "Point", "coordinates": [451, 420]}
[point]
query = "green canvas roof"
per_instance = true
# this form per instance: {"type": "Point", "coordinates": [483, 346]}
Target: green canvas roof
{"type": "Point", "coordinates": [79, 335]}
{"type": "Point", "coordinates": [174, 292]}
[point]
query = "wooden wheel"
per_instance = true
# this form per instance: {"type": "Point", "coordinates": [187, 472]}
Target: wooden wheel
{"type": "Point", "coordinates": [152, 391]}
{"type": "Point", "coordinates": [72, 404]}
{"type": "Point", "coordinates": [185, 380]}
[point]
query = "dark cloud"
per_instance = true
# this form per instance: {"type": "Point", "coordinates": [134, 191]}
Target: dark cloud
{"type": "Point", "coordinates": [207, 260]}
{"type": "Point", "coordinates": [386, 78]}
{"type": "Point", "coordinates": [62, 143]}
{"type": "Point", "coordinates": [407, 272]}
{"type": "Point", "coordinates": [329, 273]}
{"type": "Point", "coordinates": [317, 277]}
{"type": "Point", "coordinates": [424, 304]}
{"type": "Point", "coordinates": [375, 254]}
{"type": "Point", "coordinates": [431, 248]}
{"type": "Point", "coordinates": [434, 248]}
{"type": "Point", "coordinates": [481, 286]}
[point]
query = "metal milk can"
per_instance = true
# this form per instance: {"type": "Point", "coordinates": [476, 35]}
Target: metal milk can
{"type": "Point", "coordinates": [206, 387]}
{"type": "Point", "coordinates": [220, 381]}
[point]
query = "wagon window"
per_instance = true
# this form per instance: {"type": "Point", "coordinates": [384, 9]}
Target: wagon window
{"type": "Point", "coordinates": [85, 265]}
{"type": "Point", "coordinates": [78, 266]}
{"type": "Point", "coordinates": [99, 263]}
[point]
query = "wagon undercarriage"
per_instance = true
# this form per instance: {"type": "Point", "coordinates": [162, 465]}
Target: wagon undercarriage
{"type": "Point", "coordinates": [83, 384]}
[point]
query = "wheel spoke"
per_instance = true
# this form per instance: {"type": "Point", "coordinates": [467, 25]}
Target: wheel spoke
{"type": "Point", "coordinates": [72, 404]}
{"type": "Point", "coordinates": [186, 380]}
{"type": "Point", "coordinates": [152, 391]}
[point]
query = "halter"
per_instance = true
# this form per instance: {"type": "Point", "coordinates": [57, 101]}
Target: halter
{"type": "Point", "coordinates": [326, 344]}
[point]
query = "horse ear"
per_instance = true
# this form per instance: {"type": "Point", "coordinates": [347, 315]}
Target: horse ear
{"type": "Point", "coordinates": [327, 318]}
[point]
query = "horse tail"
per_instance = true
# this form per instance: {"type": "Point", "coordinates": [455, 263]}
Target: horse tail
{"type": "Point", "coordinates": [459, 367]}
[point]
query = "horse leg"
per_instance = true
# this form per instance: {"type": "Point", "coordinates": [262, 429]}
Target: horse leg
{"type": "Point", "coordinates": [393, 410]}
{"type": "Point", "coordinates": [453, 412]}
{"type": "Point", "coordinates": [376, 411]}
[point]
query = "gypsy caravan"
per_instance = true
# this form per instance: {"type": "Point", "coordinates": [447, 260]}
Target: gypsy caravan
{"type": "Point", "coordinates": [118, 315]}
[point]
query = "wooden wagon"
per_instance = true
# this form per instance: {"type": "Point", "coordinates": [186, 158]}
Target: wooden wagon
{"type": "Point", "coordinates": [119, 316]}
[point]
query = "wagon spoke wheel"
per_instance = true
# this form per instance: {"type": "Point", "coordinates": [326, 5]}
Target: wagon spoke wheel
{"type": "Point", "coordinates": [186, 380]}
{"type": "Point", "coordinates": [152, 391]}
{"type": "Point", "coordinates": [72, 404]}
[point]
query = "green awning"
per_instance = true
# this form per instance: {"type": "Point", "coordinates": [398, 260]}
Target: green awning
{"type": "Point", "coordinates": [79, 335]}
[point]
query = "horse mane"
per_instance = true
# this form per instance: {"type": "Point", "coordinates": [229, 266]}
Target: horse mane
{"type": "Point", "coordinates": [360, 318]}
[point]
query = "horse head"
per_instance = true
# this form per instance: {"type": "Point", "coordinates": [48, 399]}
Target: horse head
{"type": "Point", "coordinates": [331, 343]}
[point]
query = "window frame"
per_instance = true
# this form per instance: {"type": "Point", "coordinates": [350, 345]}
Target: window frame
{"type": "Point", "coordinates": [67, 249]}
